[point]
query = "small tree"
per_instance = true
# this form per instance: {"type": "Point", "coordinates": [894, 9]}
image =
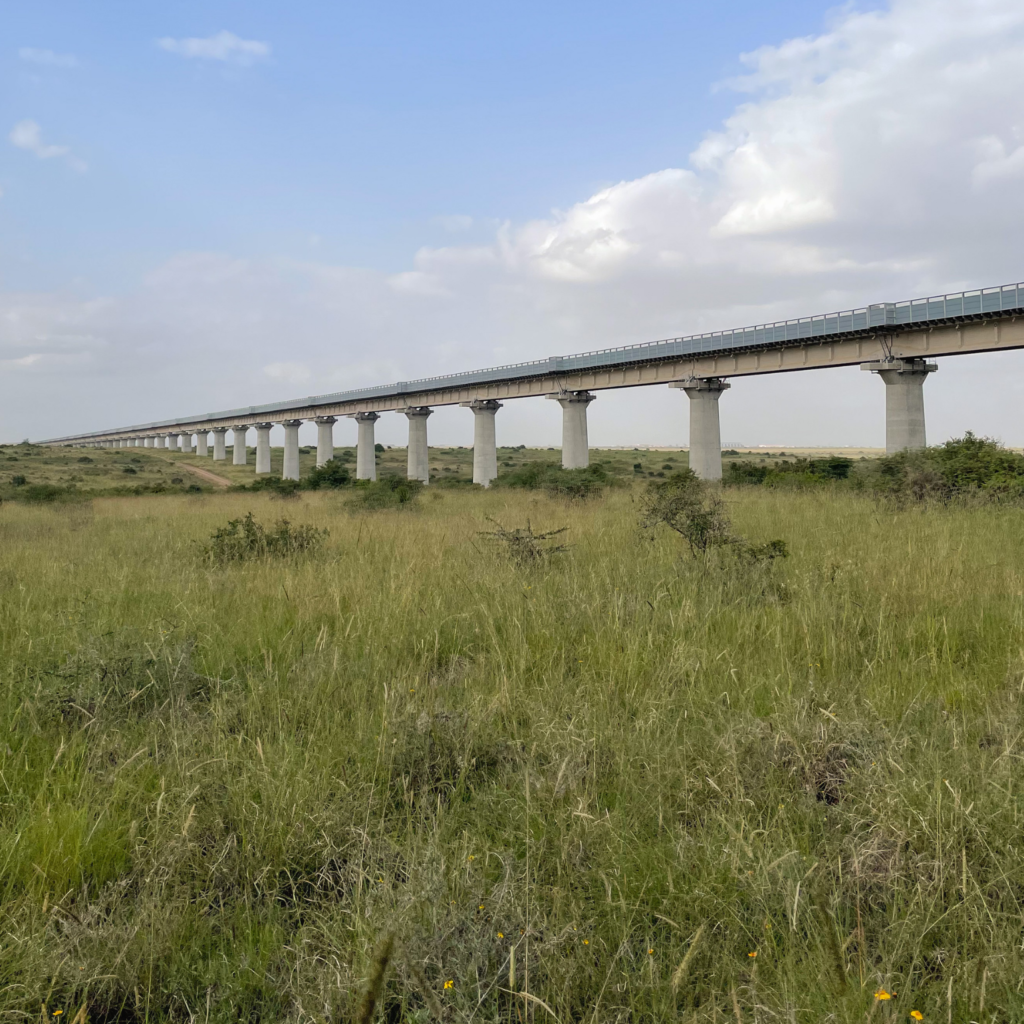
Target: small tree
{"type": "Point", "coordinates": [687, 505]}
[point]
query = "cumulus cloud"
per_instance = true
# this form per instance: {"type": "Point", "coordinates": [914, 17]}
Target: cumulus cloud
{"type": "Point", "coordinates": [47, 58]}
{"type": "Point", "coordinates": [223, 46]}
{"type": "Point", "coordinates": [880, 159]}
{"type": "Point", "coordinates": [28, 135]}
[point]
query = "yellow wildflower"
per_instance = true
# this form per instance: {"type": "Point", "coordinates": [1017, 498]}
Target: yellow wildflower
{"type": "Point", "coordinates": [883, 995]}
{"type": "Point", "coordinates": [501, 935]}
{"type": "Point", "coordinates": [917, 1014]}
{"type": "Point", "coordinates": [450, 983]}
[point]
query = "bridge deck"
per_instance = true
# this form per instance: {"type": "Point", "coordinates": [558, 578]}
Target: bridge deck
{"type": "Point", "coordinates": [711, 353]}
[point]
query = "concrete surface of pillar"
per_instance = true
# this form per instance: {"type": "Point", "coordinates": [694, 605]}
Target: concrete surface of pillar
{"type": "Point", "coordinates": [158, 441]}
{"type": "Point", "coordinates": [324, 439]}
{"type": "Point", "coordinates": [575, 443]}
{"type": "Point", "coordinates": [485, 450]}
{"type": "Point", "coordinates": [291, 449]}
{"type": "Point", "coordinates": [219, 449]}
{"type": "Point", "coordinates": [705, 429]}
{"type": "Point", "coordinates": [904, 401]}
{"type": "Point", "coordinates": [147, 442]}
{"type": "Point", "coordinates": [186, 441]}
{"type": "Point", "coordinates": [263, 447]}
{"type": "Point", "coordinates": [172, 442]}
{"type": "Point", "coordinates": [240, 453]}
{"type": "Point", "coordinates": [201, 443]}
{"type": "Point", "coordinates": [418, 463]}
{"type": "Point", "coordinates": [366, 455]}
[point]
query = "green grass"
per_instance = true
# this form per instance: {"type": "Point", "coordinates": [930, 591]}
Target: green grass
{"type": "Point", "coordinates": [223, 787]}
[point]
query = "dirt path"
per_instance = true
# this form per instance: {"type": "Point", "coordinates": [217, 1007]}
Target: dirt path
{"type": "Point", "coordinates": [218, 481]}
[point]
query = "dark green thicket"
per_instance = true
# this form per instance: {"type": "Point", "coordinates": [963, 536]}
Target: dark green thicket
{"type": "Point", "coordinates": [388, 492]}
{"type": "Point", "coordinates": [558, 482]}
{"type": "Point", "coordinates": [795, 473]}
{"type": "Point", "coordinates": [963, 468]}
{"type": "Point", "coordinates": [330, 475]}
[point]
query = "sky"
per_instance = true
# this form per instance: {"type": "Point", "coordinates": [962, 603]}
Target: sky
{"type": "Point", "coordinates": [210, 205]}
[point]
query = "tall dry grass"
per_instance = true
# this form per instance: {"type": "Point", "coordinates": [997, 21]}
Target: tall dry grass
{"type": "Point", "coordinates": [588, 788]}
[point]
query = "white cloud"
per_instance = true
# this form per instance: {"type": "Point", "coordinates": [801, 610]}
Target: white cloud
{"type": "Point", "coordinates": [28, 135]}
{"type": "Point", "coordinates": [223, 46]}
{"type": "Point", "coordinates": [47, 58]}
{"type": "Point", "coordinates": [877, 160]}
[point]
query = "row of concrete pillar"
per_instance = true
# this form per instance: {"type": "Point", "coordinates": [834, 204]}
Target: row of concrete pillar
{"type": "Point", "coordinates": [904, 425]}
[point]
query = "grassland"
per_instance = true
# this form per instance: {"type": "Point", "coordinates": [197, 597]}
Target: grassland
{"type": "Point", "coordinates": [587, 788]}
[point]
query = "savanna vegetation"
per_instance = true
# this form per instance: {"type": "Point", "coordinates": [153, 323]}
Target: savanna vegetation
{"type": "Point", "coordinates": [644, 753]}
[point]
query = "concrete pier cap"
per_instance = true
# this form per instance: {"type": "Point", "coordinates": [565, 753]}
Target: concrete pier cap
{"type": "Point", "coordinates": [485, 449]}
{"type": "Point", "coordinates": [575, 440]}
{"type": "Point", "coordinates": [366, 455]}
{"type": "Point", "coordinates": [705, 426]}
{"type": "Point", "coordinates": [418, 462]}
{"type": "Point", "coordinates": [904, 401]}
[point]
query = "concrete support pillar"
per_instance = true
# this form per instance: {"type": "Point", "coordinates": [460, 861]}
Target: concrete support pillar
{"type": "Point", "coordinates": [186, 441]}
{"type": "Point", "coordinates": [201, 443]}
{"type": "Point", "coordinates": [172, 442]}
{"type": "Point", "coordinates": [324, 439]}
{"type": "Point", "coordinates": [904, 401]}
{"type": "Point", "coordinates": [418, 464]}
{"type": "Point", "coordinates": [366, 455]}
{"type": "Point", "coordinates": [485, 450]}
{"type": "Point", "coordinates": [159, 441]}
{"type": "Point", "coordinates": [240, 453]}
{"type": "Point", "coordinates": [575, 443]}
{"type": "Point", "coordinates": [291, 449]}
{"type": "Point", "coordinates": [263, 447]}
{"type": "Point", "coordinates": [705, 428]}
{"type": "Point", "coordinates": [219, 448]}
{"type": "Point", "coordinates": [147, 442]}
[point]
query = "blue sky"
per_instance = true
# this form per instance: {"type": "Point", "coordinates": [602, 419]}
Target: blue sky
{"type": "Point", "coordinates": [363, 127]}
{"type": "Point", "coordinates": [298, 198]}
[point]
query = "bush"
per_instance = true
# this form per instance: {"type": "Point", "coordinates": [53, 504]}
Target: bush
{"type": "Point", "coordinates": [963, 467]}
{"type": "Point", "coordinates": [18, 480]}
{"type": "Point", "coordinates": [389, 492]}
{"type": "Point", "coordinates": [523, 546]}
{"type": "Point", "coordinates": [43, 493]}
{"type": "Point", "coordinates": [687, 505]}
{"type": "Point", "coordinates": [247, 538]}
{"type": "Point", "coordinates": [795, 473]}
{"type": "Point", "coordinates": [331, 474]}
{"type": "Point", "coordinates": [559, 483]}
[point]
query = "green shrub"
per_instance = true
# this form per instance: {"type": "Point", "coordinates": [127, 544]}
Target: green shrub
{"type": "Point", "coordinates": [247, 538]}
{"type": "Point", "coordinates": [331, 474]}
{"type": "Point", "coordinates": [687, 505]}
{"type": "Point", "coordinates": [963, 467]}
{"type": "Point", "coordinates": [388, 492]}
{"type": "Point", "coordinates": [44, 493]}
{"type": "Point", "coordinates": [795, 473]}
{"type": "Point", "coordinates": [558, 482]}
{"type": "Point", "coordinates": [18, 480]}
